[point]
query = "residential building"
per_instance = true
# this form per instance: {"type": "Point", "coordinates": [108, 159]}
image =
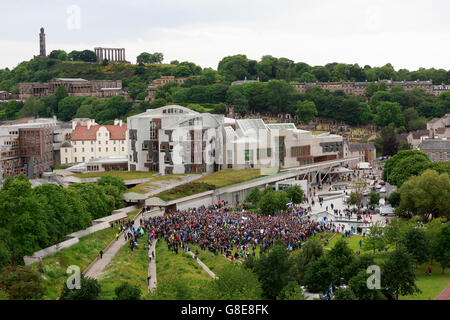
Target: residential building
{"type": "Point", "coordinates": [27, 146]}
{"type": "Point", "coordinates": [365, 151]}
{"type": "Point", "coordinates": [90, 141]}
{"type": "Point", "coordinates": [76, 87]}
{"type": "Point", "coordinates": [175, 139]}
{"type": "Point", "coordinates": [439, 127]}
{"type": "Point", "coordinates": [436, 149]}
{"type": "Point", "coordinates": [358, 88]}
{"type": "Point", "coordinates": [414, 138]}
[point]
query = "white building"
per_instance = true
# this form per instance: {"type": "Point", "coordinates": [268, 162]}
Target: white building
{"type": "Point", "coordinates": [175, 139]}
{"type": "Point", "coordinates": [92, 141]}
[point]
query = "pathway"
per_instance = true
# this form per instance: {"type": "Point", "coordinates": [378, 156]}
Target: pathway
{"type": "Point", "coordinates": [445, 295]}
{"type": "Point", "coordinates": [203, 266]}
{"type": "Point", "coordinates": [98, 265]}
{"type": "Point", "coordinates": [152, 268]}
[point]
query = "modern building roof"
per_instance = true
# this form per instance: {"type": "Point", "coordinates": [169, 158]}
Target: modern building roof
{"type": "Point", "coordinates": [83, 133]}
{"type": "Point", "coordinates": [66, 144]}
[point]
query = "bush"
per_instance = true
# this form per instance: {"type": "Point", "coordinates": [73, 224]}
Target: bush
{"type": "Point", "coordinates": [127, 291]}
{"type": "Point", "coordinates": [90, 290]}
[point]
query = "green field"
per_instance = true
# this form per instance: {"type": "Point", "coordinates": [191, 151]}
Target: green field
{"type": "Point", "coordinates": [210, 182]}
{"type": "Point", "coordinates": [353, 242]}
{"type": "Point", "coordinates": [181, 266]}
{"type": "Point", "coordinates": [431, 286]}
{"type": "Point", "coordinates": [140, 188]}
{"type": "Point", "coordinates": [80, 254]}
{"type": "Point", "coordinates": [126, 266]}
{"type": "Point", "coordinates": [125, 175]}
{"type": "Point", "coordinates": [228, 177]}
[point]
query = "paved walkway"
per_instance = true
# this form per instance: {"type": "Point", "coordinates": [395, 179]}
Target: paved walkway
{"type": "Point", "coordinates": [152, 268]}
{"type": "Point", "coordinates": [445, 295]}
{"type": "Point", "coordinates": [98, 265]}
{"type": "Point", "coordinates": [203, 266]}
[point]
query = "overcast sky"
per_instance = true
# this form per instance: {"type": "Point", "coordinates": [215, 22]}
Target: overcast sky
{"type": "Point", "coordinates": [408, 34]}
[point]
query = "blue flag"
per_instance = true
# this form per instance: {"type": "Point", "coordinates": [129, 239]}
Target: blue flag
{"type": "Point", "coordinates": [331, 288]}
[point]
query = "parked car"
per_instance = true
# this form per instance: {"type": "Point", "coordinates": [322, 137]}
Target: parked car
{"type": "Point", "coordinates": [383, 190]}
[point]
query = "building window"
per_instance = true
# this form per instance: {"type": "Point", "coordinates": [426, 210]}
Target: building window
{"type": "Point", "coordinates": [106, 141]}
{"type": "Point", "coordinates": [92, 149]}
{"type": "Point", "coordinates": [99, 149]}
{"type": "Point", "coordinates": [114, 149]}
{"type": "Point", "coordinates": [83, 159]}
{"type": "Point", "coordinates": [248, 155]}
{"type": "Point", "coordinates": [75, 159]}
{"type": "Point", "coordinates": [123, 149]}
{"type": "Point", "coordinates": [82, 150]}
{"type": "Point", "coordinates": [99, 142]}
{"type": "Point", "coordinates": [75, 149]}
{"type": "Point", "coordinates": [144, 146]}
{"type": "Point", "coordinates": [153, 132]}
{"type": "Point", "coordinates": [106, 149]}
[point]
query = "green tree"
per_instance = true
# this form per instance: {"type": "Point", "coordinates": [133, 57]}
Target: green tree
{"type": "Point", "coordinates": [306, 111]}
{"type": "Point", "coordinates": [234, 67]}
{"type": "Point", "coordinates": [58, 54]}
{"type": "Point", "coordinates": [68, 107]}
{"type": "Point", "coordinates": [273, 270]}
{"type": "Point", "coordinates": [398, 273]}
{"type": "Point", "coordinates": [292, 291]}
{"type": "Point", "coordinates": [440, 246]}
{"type": "Point", "coordinates": [389, 112]}
{"type": "Point", "coordinates": [90, 290]}
{"type": "Point", "coordinates": [311, 251]}
{"type": "Point", "coordinates": [426, 195]}
{"type": "Point", "coordinates": [319, 274]}
{"type": "Point", "coordinates": [144, 57]}
{"type": "Point", "coordinates": [253, 196]}
{"type": "Point", "coordinates": [374, 239]}
{"type": "Point", "coordinates": [31, 107]}
{"type": "Point", "coordinates": [355, 198]}
{"type": "Point", "coordinates": [234, 283]}
{"type": "Point", "coordinates": [416, 244]}
{"type": "Point", "coordinates": [295, 193]}
{"type": "Point", "coordinates": [127, 291]}
{"type": "Point", "coordinates": [392, 162]}
{"type": "Point", "coordinates": [20, 283]}
{"type": "Point", "coordinates": [358, 285]}
{"type": "Point", "coordinates": [374, 198]}
{"type": "Point", "coordinates": [344, 294]}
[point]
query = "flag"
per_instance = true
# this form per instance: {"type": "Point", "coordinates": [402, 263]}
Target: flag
{"type": "Point", "coordinates": [276, 211]}
{"type": "Point", "coordinates": [325, 297]}
{"type": "Point", "coordinates": [289, 203]}
{"type": "Point", "coordinates": [331, 288]}
{"type": "Point", "coordinates": [324, 221]}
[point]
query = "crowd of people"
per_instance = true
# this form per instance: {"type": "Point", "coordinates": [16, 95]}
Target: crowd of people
{"type": "Point", "coordinates": [224, 230]}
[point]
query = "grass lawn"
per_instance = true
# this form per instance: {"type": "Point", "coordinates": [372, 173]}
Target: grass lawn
{"type": "Point", "coordinates": [133, 213]}
{"type": "Point", "coordinates": [215, 263]}
{"type": "Point", "coordinates": [151, 183]}
{"type": "Point", "coordinates": [126, 266]}
{"type": "Point", "coordinates": [228, 177]}
{"type": "Point", "coordinates": [80, 254]}
{"type": "Point", "coordinates": [210, 182]}
{"type": "Point", "coordinates": [181, 265]}
{"type": "Point", "coordinates": [353, 242]}
{"type": "Point", "coordinates": [431, 286]}
{"type": "Point", "coordinates": [125, 175]}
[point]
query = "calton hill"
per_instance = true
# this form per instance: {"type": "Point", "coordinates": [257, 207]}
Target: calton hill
{"type": "Point", "coordinates": [412, 250]}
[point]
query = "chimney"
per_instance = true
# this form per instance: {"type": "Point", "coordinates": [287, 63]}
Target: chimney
{"type": "Point", "coordinates": [431, 133]}
{"type": "Point", "coordinates": [74, 124]}
{"type": "Point", "coordinates": [89, 124]}
{"type": "Point", "coordinates": [116, 121]}
{"type": "Point", "coordinates": [120, 123]}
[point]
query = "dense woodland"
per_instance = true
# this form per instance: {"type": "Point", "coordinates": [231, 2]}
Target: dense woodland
{"type": "Point", "coordinates": [35, 218]}
{"type": "Point", "coordinates": [211, 91]}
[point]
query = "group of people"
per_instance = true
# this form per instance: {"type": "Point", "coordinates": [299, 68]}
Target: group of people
{"type": "Point", "coordinates": [222, 229]}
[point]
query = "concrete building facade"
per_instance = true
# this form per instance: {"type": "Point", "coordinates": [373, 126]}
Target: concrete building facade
{"type": "Point", "coordinates": [175, 139]}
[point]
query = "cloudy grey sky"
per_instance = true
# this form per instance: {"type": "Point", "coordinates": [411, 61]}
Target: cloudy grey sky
{"type": "Point", "coordinates": [409, 34]}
